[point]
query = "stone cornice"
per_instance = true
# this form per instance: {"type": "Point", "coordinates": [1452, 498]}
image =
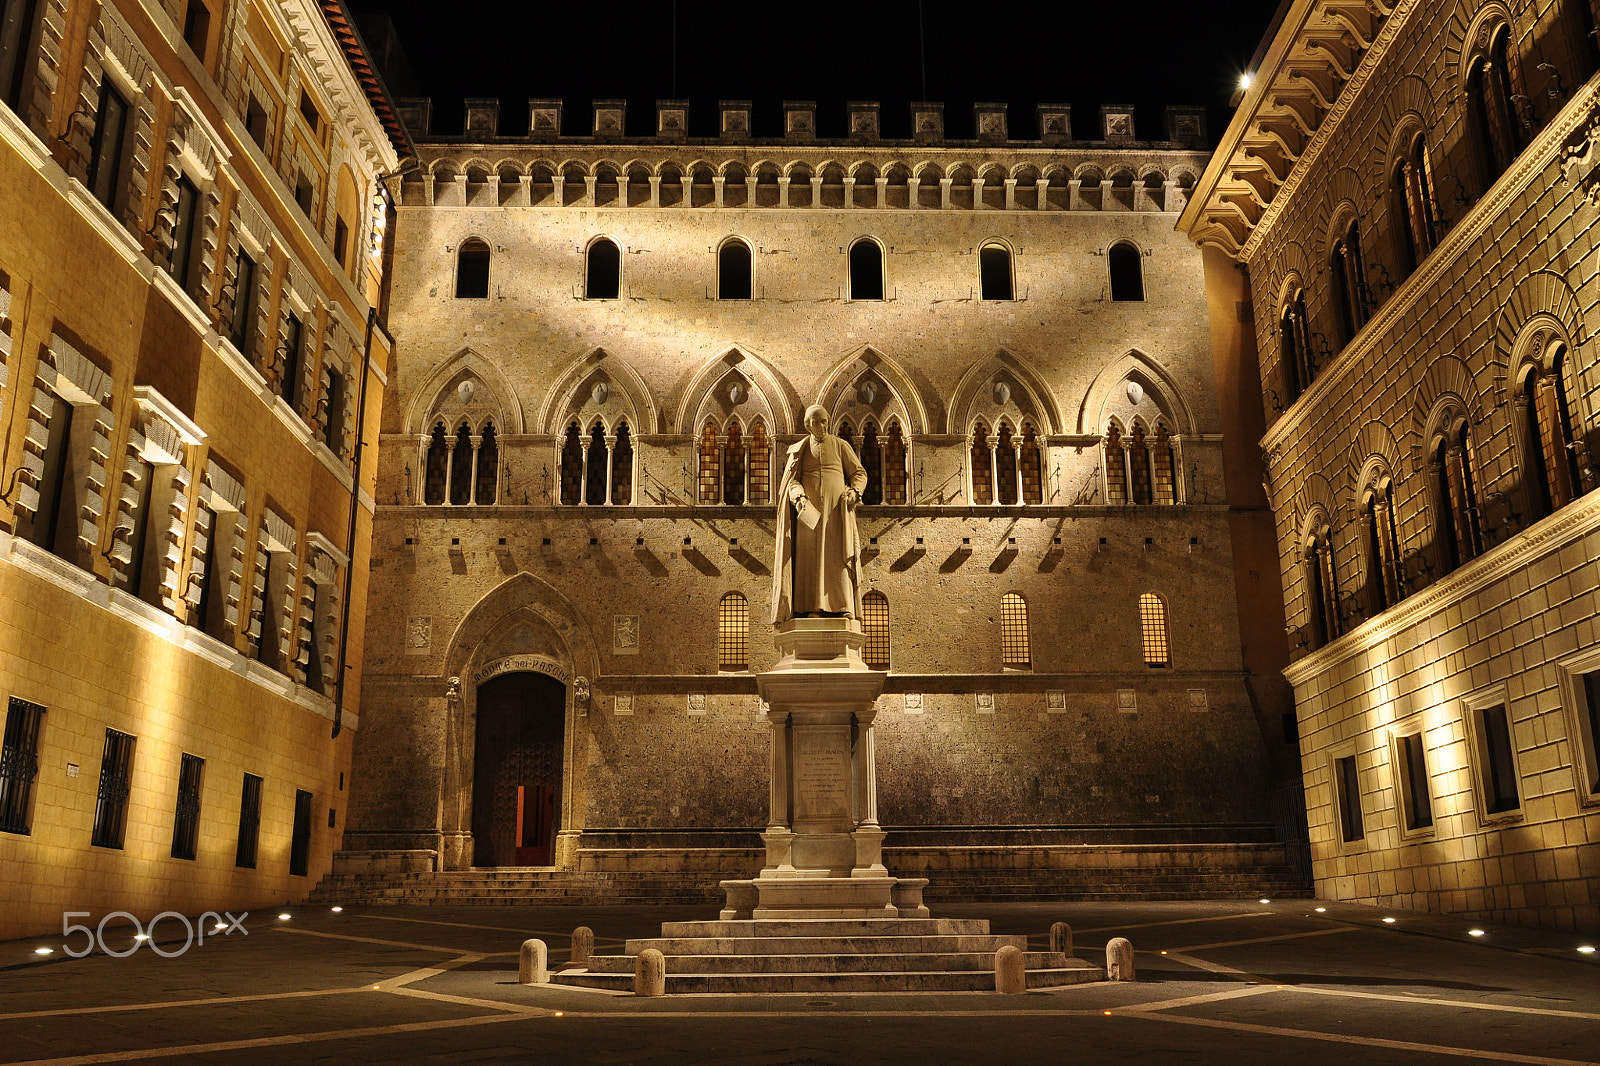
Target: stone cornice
{"type": "Point", "coordinates": [1550, 534]}
{"type": "Point", "coordinates": [1545, 151]}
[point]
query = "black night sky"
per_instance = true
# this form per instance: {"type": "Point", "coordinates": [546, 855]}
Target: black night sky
{"type": "Point", "coordinates": [1147, 53]}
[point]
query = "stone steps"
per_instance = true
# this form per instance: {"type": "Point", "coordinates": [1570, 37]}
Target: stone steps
{"type": "Point", "coordinates": [829, 955]}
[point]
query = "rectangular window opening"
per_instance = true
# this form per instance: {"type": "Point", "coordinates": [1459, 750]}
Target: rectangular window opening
{"type": "Point", "coordinates": [1418, 802]}
{"type": "Point", "coordinates": [300, 842]}
{"type": "Point", "coordinates": [1352, 826]}
{"type": "Point", "coordinates": [106, 149]}
{"type": "Point", "coordinates": [197, 27]}
{"type": "Point", "coordinates": [249, 822]}
{"type": "Point", "coordinates": [1499, 765]}
{"type": "Point", "coordinates": [186, 820]}
{"type": "Point", "coordinates": [255, 122]}
{"type": "Point", "coordinates": [19, 765]}
{"type": "Point", "coordinates": [1589, 724]}
{"type": "Point", "coordinates": [244, 303]}
{"type": "Point", "coordinates": [111, 801]}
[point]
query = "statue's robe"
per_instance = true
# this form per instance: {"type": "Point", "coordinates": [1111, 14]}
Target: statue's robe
{"type": "Point", "coordinates": [817, 556]}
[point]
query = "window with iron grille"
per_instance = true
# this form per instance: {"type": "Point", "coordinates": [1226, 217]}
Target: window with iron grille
{"type": "Point", "coordinates": [249, 822]}
{"type": "Point", "coordinates": [875, 624]}
{"type": "Point", "coordinates": [111, 802]}
{"type": "Point", "coordinates": [733, 632]}
{"type": "Point", "coordinates": [300, 841]}
{"type": "Point", "coordinates": [1014, 632]}
{"type": "Point", "coordinates": [186, 823]}
{"type": "Point", "coordinates": [19, 764]}
{"type": "Point", "coordinates": [1153, 624]}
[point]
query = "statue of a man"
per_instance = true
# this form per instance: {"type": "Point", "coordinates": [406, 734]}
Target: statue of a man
{"type": "Point", "coordinates": [817, 561]}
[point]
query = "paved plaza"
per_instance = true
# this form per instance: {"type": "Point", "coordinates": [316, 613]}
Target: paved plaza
{"type": "Point", "coordinates": [1238, 982]}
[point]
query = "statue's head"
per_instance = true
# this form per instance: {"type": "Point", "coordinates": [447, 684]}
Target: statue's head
{"type": "Point", "coordinates": [817, 421]}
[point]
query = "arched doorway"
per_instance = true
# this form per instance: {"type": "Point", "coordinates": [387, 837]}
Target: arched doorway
{"type": "Point", "coordinates": [516, 781]}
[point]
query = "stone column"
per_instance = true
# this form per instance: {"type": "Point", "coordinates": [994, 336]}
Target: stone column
{"type": "Point", "coordinates": [449, 467]}
{"type": "Point", "coordinates": [611, 449]}
{"type": "Point", "coordinates": [583, 474]}
{"type": "Point", "coordinates": [472, 485]}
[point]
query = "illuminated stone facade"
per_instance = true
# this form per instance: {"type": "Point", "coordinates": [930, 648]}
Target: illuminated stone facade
{"type": "Point", "coordinates": [188, 258]}
{"type": "Point", "coordinates": [1422, 275]}
{"type": "Point", "coordinates": [607, 345]}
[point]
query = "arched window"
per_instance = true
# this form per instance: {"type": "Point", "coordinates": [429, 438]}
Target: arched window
{"type": "Point", "coordinates": [1414, 198]}
{"type": "Point", "coordinates": [871, 456]}
{"type": "Point", "coordinates": [733, 465]}
{"type": "Point", "coordinates": [1153, 626]}
{"type": "Point", "coordinates": [994, 271]}
{"type": "Point", "coordinates": [1127, 273]}
{"type": "Point", "coordinates": [461, 467]}
{"type": "Point", "coordinates": [982, 470]}
{"type": "Point", "coordinates": [1139, 480]}
{"type": "Point", "coordinates": [486, 483]}
{"type": "Point", "coordinates": [1350, 282]}
{"type": "Point", "coordinates": [472, 270]}
{"type": "Point", "coordinates": [1116, 466]}
{"type": "Point", "coordinates": [1295, 334]}
{"type": "Point", "coordinates": [438, 466]}
{"type": "Point", "coordinates": [894, 466]}
{"type": "Point", "coordinates": [1163, 466]}
{"type": "Point", "coordinates": [866, 270]}
{"type": "Point", "coordinates": [1014, 647]}
{"type": "Point", "coordinates": [1031, 464]}
{"type": "Point", "coordinates": [710, 477]}
{"type": "Point", "coordinates": [597, 466]}
{"type": "Point", "coordinates": [572, 466]}
{"type": "Point", "coordinates": [1322, 579]}
{"type": "Point", "coordinates": [1492, 91]}
{"type": "Point", "coordinates": [1460, 525]}
{"type": "Point", "coordinates": [1005, 466]}
{"type": "Point", "coordinates": [733, 632]}
{"type": "Point", "coordinates": [1554, 480]}
{"type": "Point", "coordinates": [875, 625]}
{"type": "Point", "coordinates": [602, 276]}
{"type": "Point", "coordinates": [733, 270]}
{"type": "Point", "coordinates": [760, 462]}
{"type": "Point", "coordinates": [622, 467]}
{"type": "Point", "coordinates": [1383, 547]}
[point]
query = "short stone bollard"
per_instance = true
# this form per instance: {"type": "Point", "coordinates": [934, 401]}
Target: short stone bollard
{"type": "Point", "coordinates": [533, 967]}
{"type": "Point", "coordinates": [582, 947]}
{"type": "Point", "coordinates": [1010, 970]}
{"type": "Point", "coordinates": [650, 973]}
{"type": "Point", "coordinates": [1061, 938]}
{"type": "Point", "coordinates": [1119, 960]}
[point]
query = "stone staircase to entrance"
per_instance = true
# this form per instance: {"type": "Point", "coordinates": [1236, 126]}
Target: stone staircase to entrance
{"type": "Point", "coordinates": [964, 873]}
{"type": "Point", "coordinates": [830, 955]}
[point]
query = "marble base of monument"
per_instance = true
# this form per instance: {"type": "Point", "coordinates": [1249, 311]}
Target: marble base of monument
{"type": "Point", "coordinates": [824, 846]}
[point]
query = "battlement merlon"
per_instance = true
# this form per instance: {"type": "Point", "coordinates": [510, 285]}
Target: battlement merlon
{"type": "Point", "coordinates": [1185, 125]}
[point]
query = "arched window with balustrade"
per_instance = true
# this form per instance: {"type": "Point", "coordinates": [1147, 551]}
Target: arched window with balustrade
{"type": "Point", "coordinates": [710, 467]}
{"type": "Point", "coordinates": [733, 460]}
{"type": "Point", "coordinates": [981, 459]}
{"type": "Point", "coordinates": [486, 467]}
{"type": "Point", "coordinates": [572, 466]}
{"type": "Point", "coordinates": [894, 466]}
{"type": "Point", "coordinates": [760, 463]}
{"type": "Point", "coordinates": [622, 466]}
{"type": "Point", "coordinates": [461, 466]}
{"type": "Point", "coordinates": [1116, 466]}
{"type": "Point", "coordinates": [1030, 463]}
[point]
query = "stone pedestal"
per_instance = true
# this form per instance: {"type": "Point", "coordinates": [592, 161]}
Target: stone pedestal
{"type": "Point", "coordinates": [824, 846]}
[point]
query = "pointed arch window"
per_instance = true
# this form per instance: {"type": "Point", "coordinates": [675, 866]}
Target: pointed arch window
{"type": "Point", "coordinates": [572, 466]}
{"type": "Point", "coordinates": [1414, 196]}
{"type": "Point", "coordinates": [1030, 464]}
{"type": "Point", "coordinates": [1153, 627]}
{"type": "Point", "coordinates": [875, 626]}
{"type": "Point", "coordinates": [1005, 466]}
{"type": "Point", "coordinates": [1139, 480]}
{"type": "Point", "coordinates": [437, 466]}
{"type": "Point", "coordinates": [870, 453]}
{"type": "Point", "coordinates": [1492, 88]}
{"type": "Point", "coordinates": [602, 277]}
{"type": "Point", "coordinates": [733, 270]}
{"type": "Point", "coordinates": [710, 476]}
{"type": "Point", "coordinates": [733, 632]}
{"type": "Point", "coordinates": [1349, 281]}
{"type": "Point", "coordinates": [486, 463]}
{"type": "Point", "coordinates": [1384, 588]}
{"type": "Point", "coordinates": [1163, 466]}
{"type": "Point", "coordinates": [982, 460]}
{"type": "Point", "coordinates": [461, 467]}
{"type": "Point", "coordinates": [994, 272]}
{"type": "Point", "coordinates": [472, 270]}
{"type": "Point", "coordinates": [894, 466]}
{"type": "Point", "coordinates": [597, 465]}
{"type": "Point", "coordinates": [622, 466]}
{"type": "Point", "coordinates": [1127, 272]}
{"type": "Point", "coordinates": [1015, 652]}
{"type": "Point", "coordinates": [733, 458]}
{"type": "Point", "coordinates": [1116, 467]}
{"type": "Point", "coordinates": [760, 462]}
{"type": "Point", "coordinates": [866, 270]}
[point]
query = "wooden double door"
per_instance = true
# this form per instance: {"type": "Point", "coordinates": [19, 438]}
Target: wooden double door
{"type": "Point", "coordinates": [516, 785]}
